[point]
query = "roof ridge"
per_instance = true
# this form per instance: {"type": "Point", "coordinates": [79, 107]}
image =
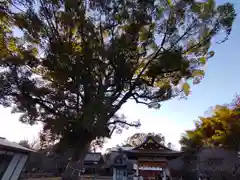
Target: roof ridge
{"type": "Point", "coordinates": [9, 144]}
{"type": "Point", "coordinates": [151, 137]}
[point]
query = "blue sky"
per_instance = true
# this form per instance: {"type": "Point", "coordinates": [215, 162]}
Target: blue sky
{"type": "Point", "coordinates": [219, 86]}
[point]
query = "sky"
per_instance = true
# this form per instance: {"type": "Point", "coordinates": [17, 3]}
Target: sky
{"type": "Point", "coordinates": [219, 86]}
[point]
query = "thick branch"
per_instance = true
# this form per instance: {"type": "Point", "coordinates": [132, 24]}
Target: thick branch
{"type": "Point", "coordinates": [49, 21]}
{"type": "Point", "coordinates": [123, 122]}
{"type": "Point", "coordinates": [139, 102]}
{"type": "Point", "coordinates": [166, 32]}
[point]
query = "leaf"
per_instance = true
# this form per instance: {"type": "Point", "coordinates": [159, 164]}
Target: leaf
{"type": "Point", "coordinates": [202, 60]}
{"type": "Point", "coordinates": [170, 3]}
{"type": "Point", "coordinates": [12, 45]}
{"type": "Point", "coordinates": [198, 72]}
{"type": "Point", "coordinates": [153, 45]}
{"type": "Point", "coordinates": [118, 17]}
{"type": "Point", "coordinates": [211, 54]}
{"type": "Point", "coordinates": [186, 89]}
{"type": "Point", "coordinates": [196, 7]}
{"type": "Point", "coordinates": [105, 34]}
{"type": "Point", "coordinates": [144, 34]}
{"type": "Point", "coordinates": [159, 12]}
{"type": "Point", "coordinates": [196, 80]}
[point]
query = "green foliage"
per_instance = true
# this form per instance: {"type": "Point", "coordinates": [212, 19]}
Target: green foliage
{"type": "Point", "coordinates": [221, 129]}
{"type": "Point", "coordinates": [79, 61]}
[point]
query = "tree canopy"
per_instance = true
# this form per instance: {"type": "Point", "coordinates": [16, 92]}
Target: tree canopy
{"type": "Point", "coordinates": [72, 64]}
{"type": "Point", "coordinates": [221, 129]}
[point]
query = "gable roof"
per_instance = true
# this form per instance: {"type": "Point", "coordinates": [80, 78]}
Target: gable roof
{"type": "Point", "coordinates": [151, 146]}
{"type": "Point", "coordinates": [93, 157]}
{"type": "Point", "coordinates": [12, 146]}
{"type": "Point", "coordinates": [150, 143]}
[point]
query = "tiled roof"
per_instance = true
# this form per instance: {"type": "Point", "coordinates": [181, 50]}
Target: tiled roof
{"type": "Point", "coordinates": [93, 157]}
{"type": "Point", "coordinates": [5, 144]}
{"type": "Point", "coordinates": [218, 158]}
{"type": "Point", "coordinates": [123, 148]}
{"type": "Point", "coordinates": [152, 146]}
{"type": "Point", "coordinates": [210, 159]}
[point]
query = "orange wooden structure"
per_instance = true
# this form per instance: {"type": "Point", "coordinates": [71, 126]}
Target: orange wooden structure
{"type": "Point", "coordinates": [151, 158]}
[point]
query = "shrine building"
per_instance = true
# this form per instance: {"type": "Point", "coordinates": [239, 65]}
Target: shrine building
{"type": "Point", "coordinates": [149, 161]}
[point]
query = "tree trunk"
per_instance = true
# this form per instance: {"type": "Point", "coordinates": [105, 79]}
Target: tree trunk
{"type": "Point", "coordinates": [75, 166]}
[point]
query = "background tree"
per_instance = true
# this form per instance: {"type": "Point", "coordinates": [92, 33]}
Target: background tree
{"type": "Point", "coordinates": [97, 144]}
{"type": "Point", "coordinates": [35, 144]}
{"type": "Point", "coordinates": [170, 145]}
{"type": "Point", "coordinates": [25, 143]}
{"type": "Point", "coordinates": [73, 63]}
{"type": "Point", "coordinates": [137, 138]}
{"type": "Point", "coordinates": [220, 129]}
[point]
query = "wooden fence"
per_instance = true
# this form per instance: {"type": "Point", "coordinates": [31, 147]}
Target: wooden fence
{"type": "Point", "coordinates": [80, 178]}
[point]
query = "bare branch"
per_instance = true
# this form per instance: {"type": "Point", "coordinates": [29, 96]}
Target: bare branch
{"type": "Point", "coordinates": [201, 42]}
{"type": "Point", "coordinates": [190, 27]}
{"type": "Point", "coordinates": [49, 21]}
{"type": "Point", "coordinates": [123, 122]}
{"type": "Point", "coordinates": [138, 101]}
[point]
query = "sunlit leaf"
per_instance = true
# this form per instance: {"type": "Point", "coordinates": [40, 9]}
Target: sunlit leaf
{"type": "Point", "coordinates": [186, 89]}
{"type": "Point", "coordinates": [216, 130]}
{"type": "Point", "coordinates": [12, 45]}
{"type": "Point", "coordinates": [202, 60]}
{"type": "Point", "coordinates": [170, 3]}
{"type": "Point", "coordinates": [198, 72]}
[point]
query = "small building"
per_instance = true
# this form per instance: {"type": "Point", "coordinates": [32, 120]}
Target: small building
{"type": "Point", "coordinates": [12, 159]}
{"type": "Point", "coordinates": [93, 163]}
{"type": "Point", "coordinates": [208, 163]}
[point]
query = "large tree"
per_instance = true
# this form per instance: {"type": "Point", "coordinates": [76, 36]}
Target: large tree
{"type": "Point", "coordinates": [72, 64]}
{"type": "Point", "coordinates": [220, 129]}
